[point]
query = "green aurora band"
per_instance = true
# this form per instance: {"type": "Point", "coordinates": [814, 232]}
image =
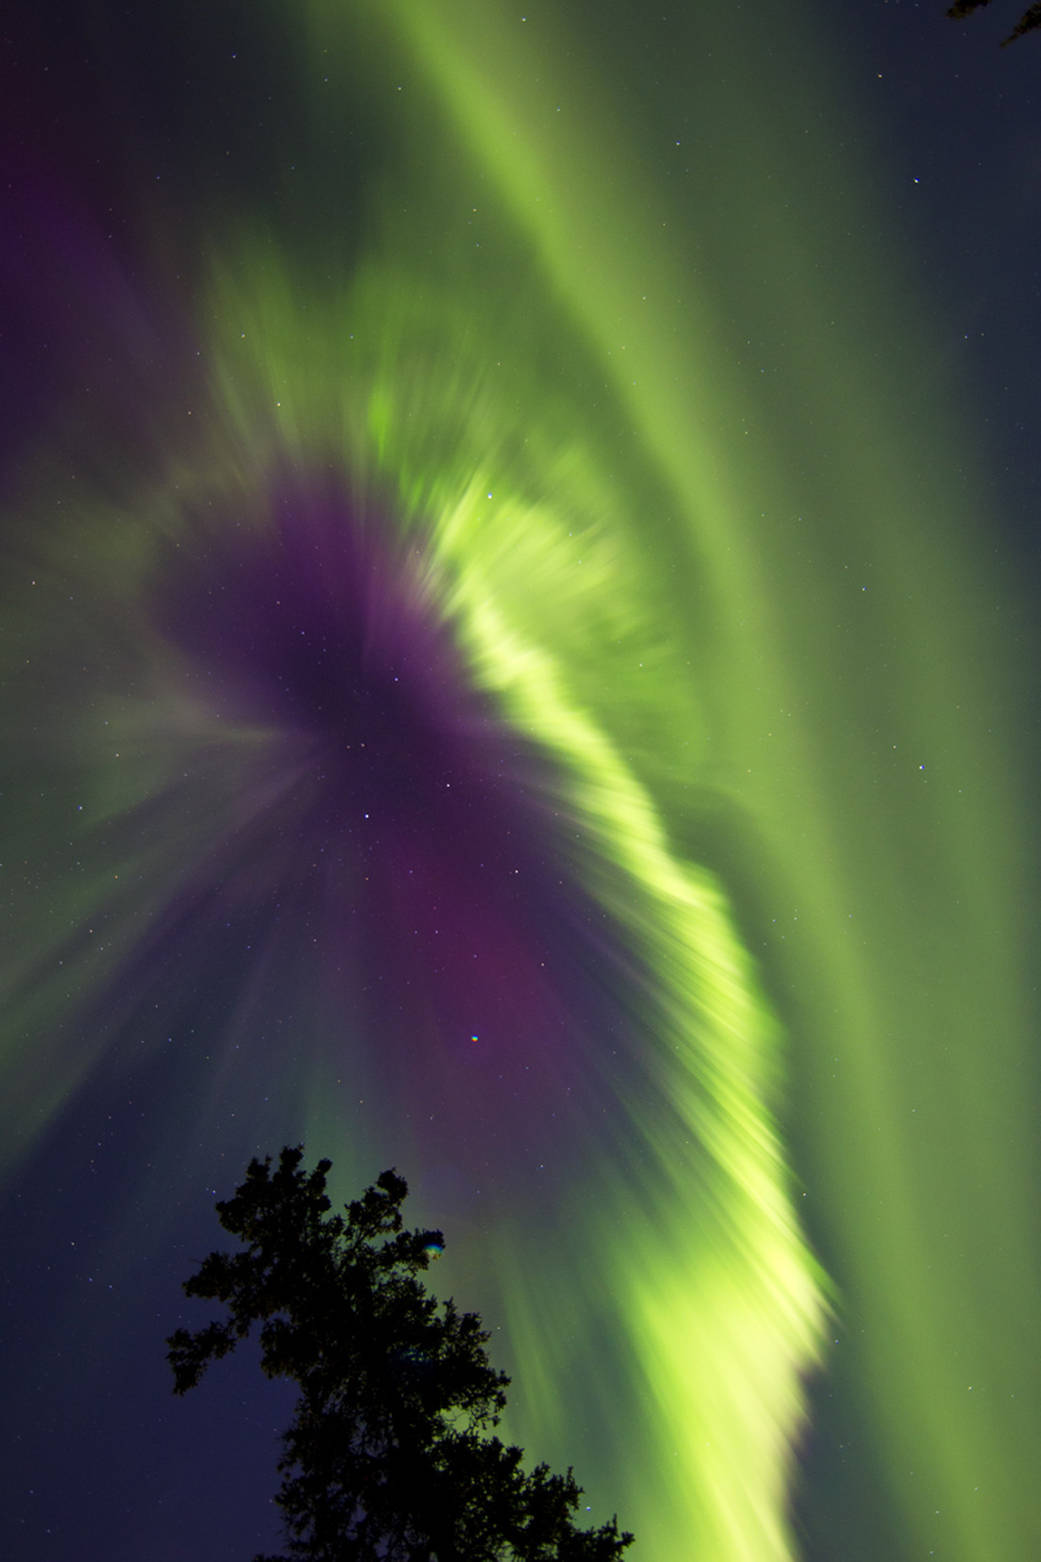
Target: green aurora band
{"type": "Point", "coordinates": [742, 610]}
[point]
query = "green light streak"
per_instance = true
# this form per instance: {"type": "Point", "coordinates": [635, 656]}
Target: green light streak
{"type": "Point", "coordinates": [847, 707]}
{"type": "Point", "coordinates": [558, 603]}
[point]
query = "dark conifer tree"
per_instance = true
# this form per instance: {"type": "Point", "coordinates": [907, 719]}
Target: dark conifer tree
{"type": "Point", "coordinates": [390, 1456]}
{"type": "Point", "coordinates": [1030, 19]}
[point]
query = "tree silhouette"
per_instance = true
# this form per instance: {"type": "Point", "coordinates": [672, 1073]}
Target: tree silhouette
{"type": "Point", "coordinates": [1030, 19]}
{"type": "Point", "coordinates": [389, 1456]}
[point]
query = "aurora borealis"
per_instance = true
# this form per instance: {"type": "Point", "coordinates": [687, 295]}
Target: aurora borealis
{"type": "Point", "coordinates": [510, 671]}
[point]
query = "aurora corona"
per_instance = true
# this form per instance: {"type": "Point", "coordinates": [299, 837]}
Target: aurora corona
{"type": "Point", "coordinates": [453, 717]}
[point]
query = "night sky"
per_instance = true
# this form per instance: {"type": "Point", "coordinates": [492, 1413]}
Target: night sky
{"type": "Point", "coordinates": [518, 662]}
